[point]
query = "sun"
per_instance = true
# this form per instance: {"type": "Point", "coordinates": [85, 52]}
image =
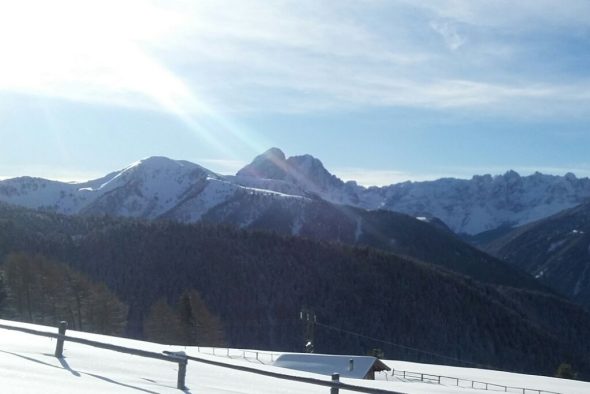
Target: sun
{"type": "Point", "coordinates": [107, 53]}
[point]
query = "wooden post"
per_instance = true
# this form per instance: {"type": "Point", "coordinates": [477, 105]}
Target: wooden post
{"type": "Point", "coordinates": [335, 378]}
{"type": "Point", "coordinates": [181, 382]}
{"type": "Point", "coordinates": [59, 348]}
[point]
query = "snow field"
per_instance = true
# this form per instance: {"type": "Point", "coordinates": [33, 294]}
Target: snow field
{"type": "Point", "coordinates": [27, 366]}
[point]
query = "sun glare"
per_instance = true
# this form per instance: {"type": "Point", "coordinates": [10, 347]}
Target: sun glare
{"type": "Point", "coordinates": [103, 52]}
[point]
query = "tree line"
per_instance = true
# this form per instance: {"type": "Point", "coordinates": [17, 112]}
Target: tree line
{"type": "Point", "coordinates": [255, 283]}
{"type": "Point", "coordinates": [36, 289]}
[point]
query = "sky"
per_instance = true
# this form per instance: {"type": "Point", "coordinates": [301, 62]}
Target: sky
{"type": "Point", "coordinates": [381, 91]}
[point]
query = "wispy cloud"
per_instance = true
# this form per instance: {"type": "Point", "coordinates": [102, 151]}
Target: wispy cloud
{"type": "Point", "coordinates": [198, 58]}
{"type": "Point", "coordinates": [449, 33]}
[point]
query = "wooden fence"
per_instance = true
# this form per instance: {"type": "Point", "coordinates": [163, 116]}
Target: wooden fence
{"type": "Point", "coordinates": [181, 359]}
{"type": "Point", "coordinates": [464, 383]}
{"type": "Point", "coordinates": [61, 338]}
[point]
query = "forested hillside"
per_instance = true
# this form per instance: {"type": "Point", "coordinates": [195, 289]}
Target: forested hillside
{"type": "Point", "coordinates": [255, 284]}
{"type": "Point", "coordinates": [556, 250]}
{"type": "Point", "coordinates": [390, 231]}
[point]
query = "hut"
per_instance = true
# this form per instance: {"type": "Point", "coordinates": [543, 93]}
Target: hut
{"type": "Point", "coordinates": [356, 367]}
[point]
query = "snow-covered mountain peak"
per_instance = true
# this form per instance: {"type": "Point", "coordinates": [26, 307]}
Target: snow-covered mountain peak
{"type": "Point", "coordinates": [157, 186]}
{"type": "Point", "coordinates": [164, 164]}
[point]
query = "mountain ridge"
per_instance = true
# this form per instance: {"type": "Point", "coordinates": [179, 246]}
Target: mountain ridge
{"type": "Point", "coordinates": [157, 186]}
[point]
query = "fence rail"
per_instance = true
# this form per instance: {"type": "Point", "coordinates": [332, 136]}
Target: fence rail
{"type": "Point", "coordinates": [334, 383]}
{"type": "Point", "coordinates": [472, 384]}
{"type": "Point", "coordinates": [251, 355]}
{"type": "Point", "coordinates": [182, 359]}
{"type": "Point", "coordinates": [61, 338]}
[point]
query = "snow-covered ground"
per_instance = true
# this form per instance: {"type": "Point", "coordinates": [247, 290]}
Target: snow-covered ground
{"type": "Point", "coordinates": [27, 365]}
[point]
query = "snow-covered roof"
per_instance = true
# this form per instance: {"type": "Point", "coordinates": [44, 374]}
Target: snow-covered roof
{"type": "Point", "coordinates": [327, 364]}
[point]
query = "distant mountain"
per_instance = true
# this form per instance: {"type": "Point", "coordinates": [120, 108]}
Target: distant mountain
{"type": "Point", "coordinates": [256, 282]}
{"type": "Point", "coordinates": [472, 206]}
{"type": "Point", "coordinates": [485, 203]}
{"type": "Point", "coordinates": [556, 250]}
{"type": "Point", "coordinates": [159, 187]}
{"type": "Point", "coordinates": [305, 174]}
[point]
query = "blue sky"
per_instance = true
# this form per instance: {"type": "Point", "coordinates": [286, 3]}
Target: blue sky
{"type": "Point", "coordinates": [381, 91]}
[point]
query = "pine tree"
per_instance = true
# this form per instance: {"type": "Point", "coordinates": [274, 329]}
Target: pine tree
{"type": "Point", "coordinates": [44, 291]}
{"type": "Point", "coordinates": [2, 294]}
{"type": "Point", "coordinates": [162, 324]}
{"type": "Point", "coordinates": [200, 325]}
{"type": "Point", "coordinates": [105, 313]}
{"type": "Point", "coordinates": [565, 371]}
{"type": "Point", "coordinates": [187, 319]}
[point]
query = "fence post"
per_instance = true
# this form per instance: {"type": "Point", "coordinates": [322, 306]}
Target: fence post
{"type": "Point", "coordinates": [335, 378]}
{"type": "Point", "coordinates": [181, 381]}
{"type": "Point", "coordinates": [59, 348]}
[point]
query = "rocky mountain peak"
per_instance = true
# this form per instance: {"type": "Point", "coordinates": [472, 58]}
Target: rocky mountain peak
{"type": "Point", "coordinates": [310, 171]}
{"type": "Point", "coordinates": [271, 164]}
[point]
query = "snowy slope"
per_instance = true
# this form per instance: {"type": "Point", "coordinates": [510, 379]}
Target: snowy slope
{"type": "Point", "coordinates": [27, 366]}
{"type": "Point", "coordinates": [179, 190]}
{"type": "Point", "coordinates": [156, 187]}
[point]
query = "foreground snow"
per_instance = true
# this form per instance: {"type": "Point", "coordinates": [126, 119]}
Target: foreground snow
{"type": "Point", "coordinates": [27, 365]}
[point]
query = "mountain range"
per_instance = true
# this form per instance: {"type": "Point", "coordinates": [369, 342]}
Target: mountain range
{"type": "Point", "coordinates": [416, 222]}
{"type": "Point", "coordinates": [298, 196]}
{"type": "Point", "coordinates": [159, 187]}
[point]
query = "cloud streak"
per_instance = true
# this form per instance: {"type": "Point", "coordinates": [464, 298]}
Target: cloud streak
{"type": "Point", "coordinates": [196, 59]}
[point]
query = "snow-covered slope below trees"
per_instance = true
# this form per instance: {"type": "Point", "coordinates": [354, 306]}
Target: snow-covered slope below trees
{"type": "Point", "coordinates": [28, 366]}
{"type": "Point", "coordinates": [179, 190]}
